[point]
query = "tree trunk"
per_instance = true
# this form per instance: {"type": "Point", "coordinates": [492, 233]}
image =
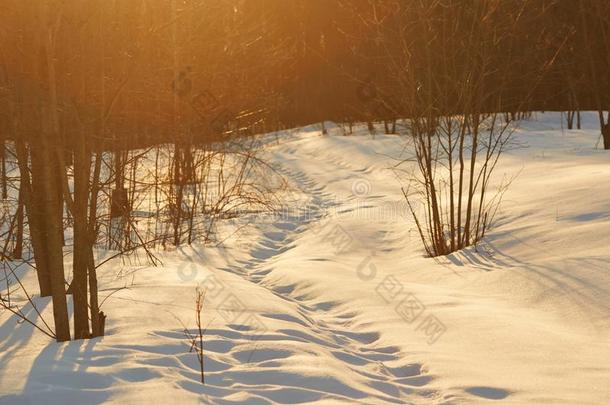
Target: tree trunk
{"type": "Point", "coordinates": [18, 248]}
{"type": "Point", "coordinates": [605, 128]}
{"type": "Point", "coordinates": [119, 203]}
{"type": "Point", "coordinates": [50, 189]}
{"type": "Point", "coordinates": [371, 127]}
{"type": "Point", "coordinates": [35, 214]}
{"type": "Point", "coordinates": [178, 194]}
{"type": "Point", "coordinates": [97, 318]}
{"type": "Point", "coordinates": [45, 186]}
{"type": "Point", "coordinates": [82, 245]}
{"type": "Point", "coordinates": [606, 136]}
{"type": "Point", "coordinates": [3, 169]}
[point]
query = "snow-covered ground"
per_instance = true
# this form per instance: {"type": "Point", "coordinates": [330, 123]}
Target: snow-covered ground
{"type": "Point", "coordinates": [332, 301]}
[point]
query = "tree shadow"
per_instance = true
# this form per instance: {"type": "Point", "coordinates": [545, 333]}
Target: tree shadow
{"type": "Point", "coordinates": [59, 374]}
{"type": "Point", "coordinates": [576, 278]}
{"type": "Point", "coordinates": [17, 333]}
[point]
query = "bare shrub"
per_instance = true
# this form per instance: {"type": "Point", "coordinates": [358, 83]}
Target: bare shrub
{"type": "Point", "coordinates": [456, 157]}
{"type": "Point", "coordinates": [454, 65]}
{"type": "Point", "coordinates": [195, 338]}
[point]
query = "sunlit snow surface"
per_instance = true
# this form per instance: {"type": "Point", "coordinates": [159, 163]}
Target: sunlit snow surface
{"type": "Point", "coordinates": [332, 301]}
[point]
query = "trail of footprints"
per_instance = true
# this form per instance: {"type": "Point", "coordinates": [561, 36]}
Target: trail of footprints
{"type": "Point", "coordinates": [236, 364]}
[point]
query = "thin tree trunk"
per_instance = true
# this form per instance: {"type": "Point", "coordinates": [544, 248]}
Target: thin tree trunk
{"type": "Point", "coordinates": [606, 136]}
{"type": "Point", "coordinates": [471, 182]}
{"type": "Point", "coordinates": [18, 248]}
{"type": "Point", "coordinates": [3, 169]}
{"type": "Point", "coordinates": [451, 182]}
{"type": "Point", "coordinates": [97, 318]}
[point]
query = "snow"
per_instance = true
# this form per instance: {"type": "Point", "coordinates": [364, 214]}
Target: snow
{"type": "Point", "coordinates": [333, 301]}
